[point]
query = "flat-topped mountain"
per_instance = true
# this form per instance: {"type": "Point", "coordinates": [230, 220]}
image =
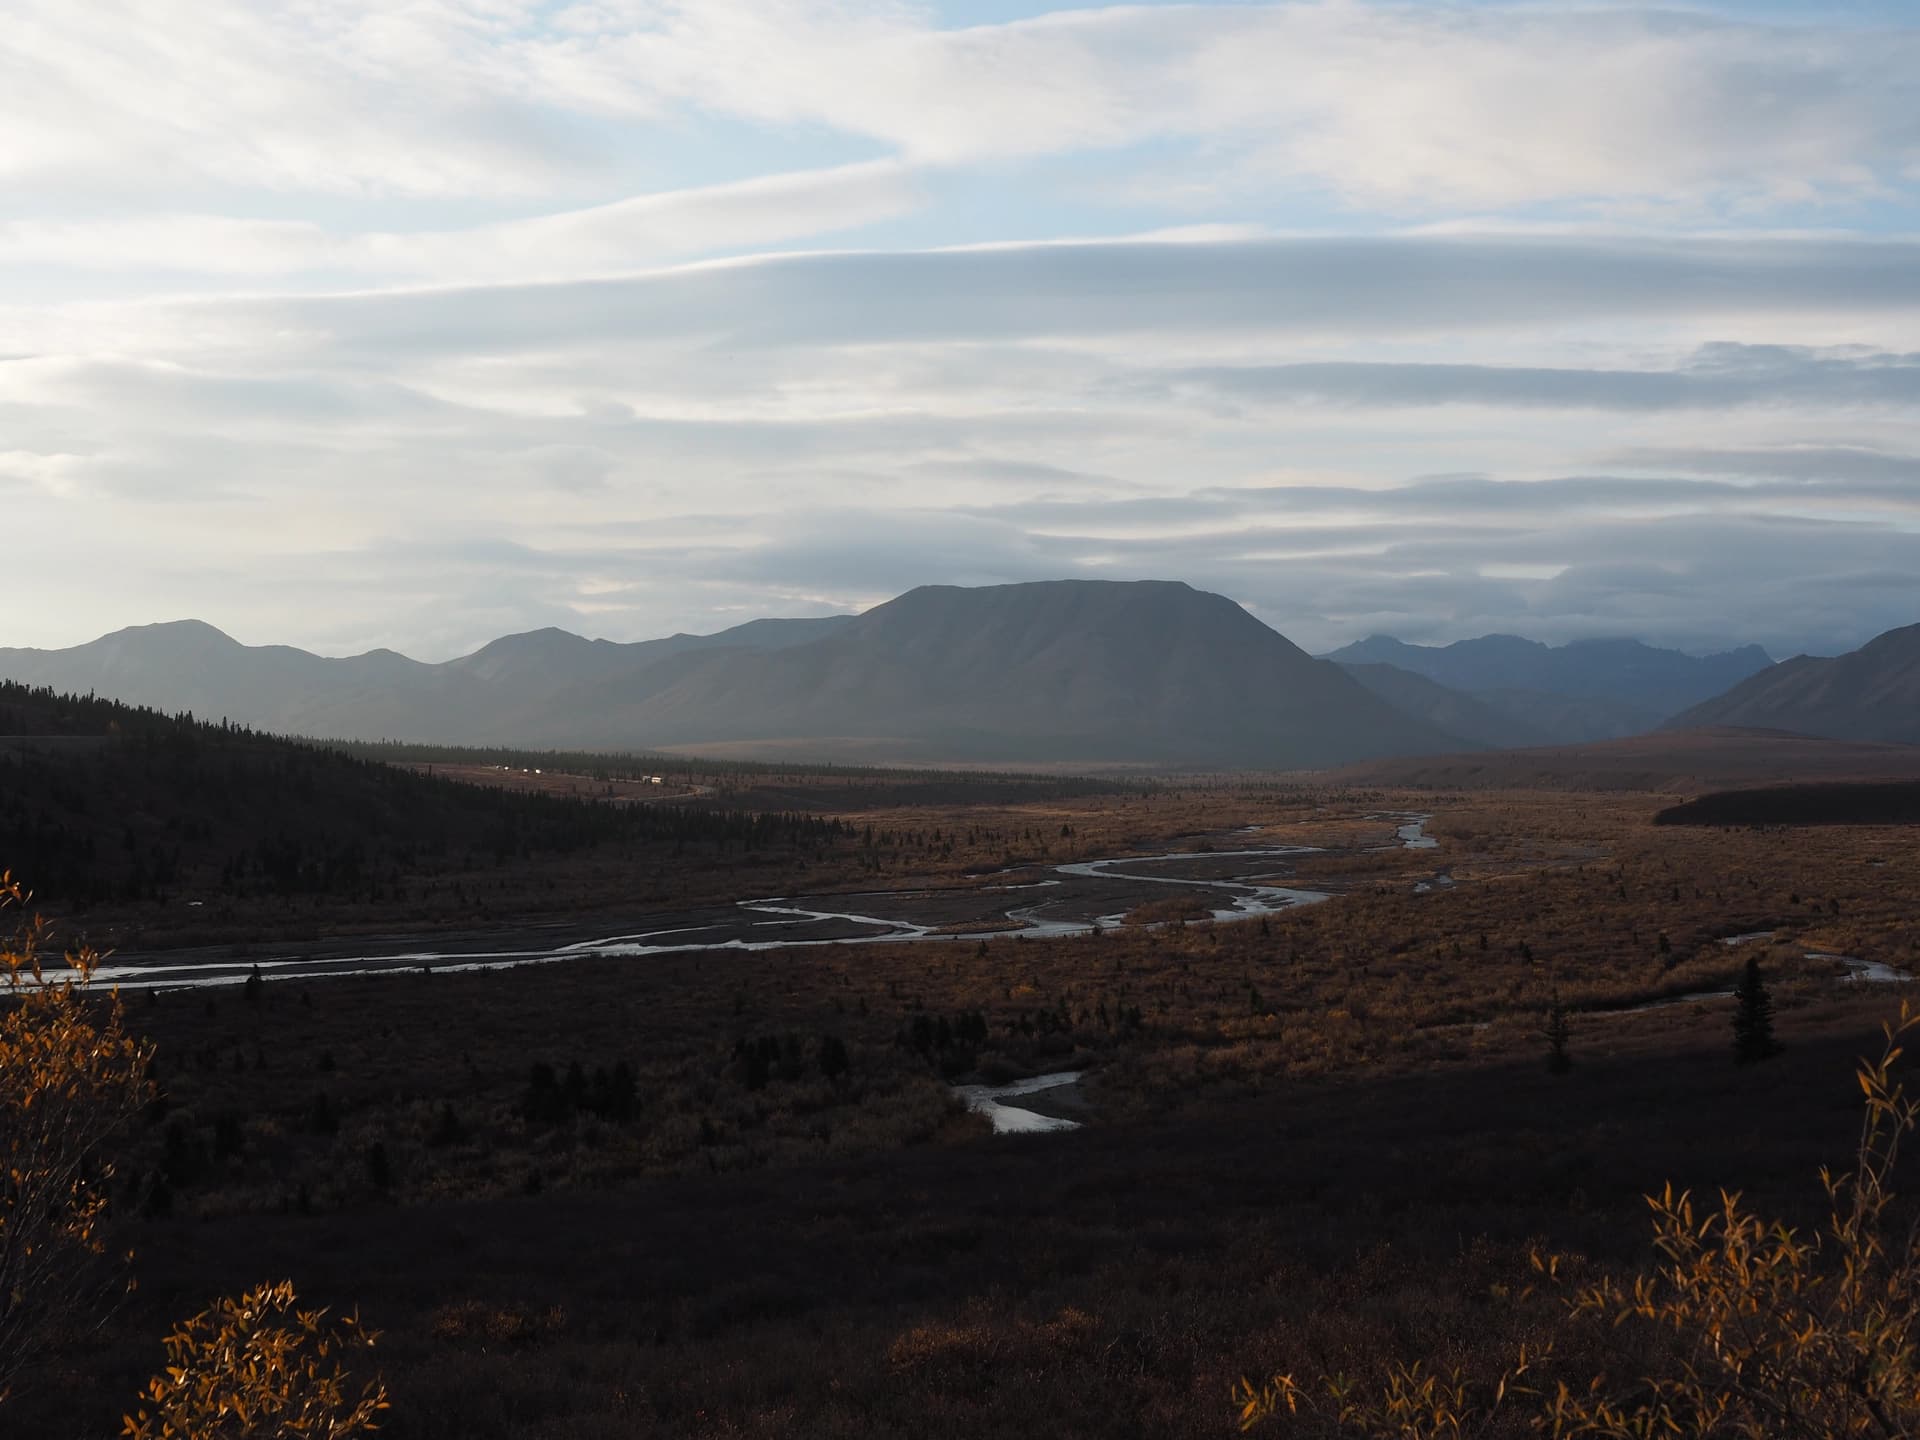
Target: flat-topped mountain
{"type": "Point", "coordinates": [1584, 690]}
{"type": "Point", "coordinates": [1102, 671]}
{"type": "Point", "coordinates": [1053, 670]}
{"type": "Point", "coordinates": [1872, 693]}
{"type": "Point", "coordinates": [1066, 670]}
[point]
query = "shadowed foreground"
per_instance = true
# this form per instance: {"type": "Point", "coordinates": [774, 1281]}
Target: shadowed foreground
{"type": "Point", "coordinates": [1120, 1278]}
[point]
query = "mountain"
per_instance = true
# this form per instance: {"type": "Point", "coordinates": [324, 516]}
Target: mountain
{"type": "Point", "coordinates": [1584, 690]}
{"type": "Point", "coordinates": [1872, 693]}
{"type": "Point", "coordinates": [1106, 671]}
{"type": "Point", "coordinates": [1572, 719]}
{"type": "Point", "coordinates": [1053, 670]}
{"type": "Point", "coordinates": [186, 665]}
{"type": "Point", "coordinates": [1458, 713]}
{"type": "Point", "coordinates": [500, 692]}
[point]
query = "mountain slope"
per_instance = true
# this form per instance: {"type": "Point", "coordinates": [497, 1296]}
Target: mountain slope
{"type": "Point", "coordinates": [186, 665]}
{"type": "Point", "coordinates": [1061, 670]}
{"type": "Point", "coordinates": [1470, 717]}
{"type": "Point", "coordinates": [1586, 690]}
{"type": "Point", "coordinates": [1622, 671]}
{"type": "Point", "coordinates": [102, 803]}
{"type": "Point", "coordinates": [1071, 669]}
{"type": "Point", "coordinates": [1572, 719]}
{"type": "Point", "coordinates": [1872, 693]}
{"type": "Point", "coordinates": [502, 692]}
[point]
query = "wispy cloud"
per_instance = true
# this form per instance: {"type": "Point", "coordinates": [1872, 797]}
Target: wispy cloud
{"type": "Point", "coordinates": [1416, 108]}
{"type": "Point", "coordinates": [647, 312]}
{"type": "Point", "coordinates": [611, 239]}
{"type": "Point", "coordinates": [1715, 379]}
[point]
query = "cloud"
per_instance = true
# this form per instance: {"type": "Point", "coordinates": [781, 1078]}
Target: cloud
{"type": "Point", "coordinates": [1682, 424]}
{"type": "Point", "coordinates": [1292, 288]}
{"type": "Point", "coordinates": [1716, 378]}
{"type": "Point", "coordinates": [128, 99]}
{"type": "Point", "coordinates": [1416, 302]}
{"type": "Point", "coordinates": [1894, 473]}
{"type": "Point", "coordinates": [1410, 109]}
{"type": "Point", "coordinates": [1394, 106]}
{"type": "Point", "coordinates": [615, 238]}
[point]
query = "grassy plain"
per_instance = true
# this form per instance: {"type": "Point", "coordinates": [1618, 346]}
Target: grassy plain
{"type": "Point", "coordinates": [1318, 1139]}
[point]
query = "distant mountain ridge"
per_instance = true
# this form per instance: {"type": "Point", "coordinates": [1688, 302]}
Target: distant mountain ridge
{"type": "Point", "coordinates": [1872, 693]}
{"type": "Point", "coordinates": [1585, 690]}
{"type": "Point", "coordinates": [1471, 718]}
{"type": "Point", "coordinates": [1056, 670]}
{"type": "Point", "coordinates": [1105, 671]}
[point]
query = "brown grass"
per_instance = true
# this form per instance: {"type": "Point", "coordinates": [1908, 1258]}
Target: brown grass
{"type": "Point", "coordinates": [1329, 1135]}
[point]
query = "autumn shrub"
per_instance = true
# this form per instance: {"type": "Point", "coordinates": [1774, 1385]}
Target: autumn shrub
{"type": "Point", "coordinates": [71, 1079]}
{"type": "Point", "coordinates": [258, 1368]}
{"type": "Point", "coordinates": [1743, 1328]}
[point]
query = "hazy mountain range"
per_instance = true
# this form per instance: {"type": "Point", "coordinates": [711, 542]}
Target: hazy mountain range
{"type": "Point", "coordinates": [1083, 670]}
{"type": "Point", "coordinates": [1586, 690]}
{"type": "Point", "coordinates": [1090, 671]}
{"type": "Point", "coordinates": [1872, 693]}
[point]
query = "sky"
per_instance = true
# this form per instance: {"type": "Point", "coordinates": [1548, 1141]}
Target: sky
{"type": "Point", "coordinates": [409, 323]}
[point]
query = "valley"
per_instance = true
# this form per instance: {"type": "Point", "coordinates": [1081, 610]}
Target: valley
{"type": "Point", "coordinates": [1255, 1094]}
{"type": "Point", "coordinates": [1027, 901]}
{"type": "Point", "coordinates": [643, 1091]}
{"type": "Point", "coordinates": [782, 721]}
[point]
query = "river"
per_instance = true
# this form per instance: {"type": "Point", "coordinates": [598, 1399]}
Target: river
{"type": "Point", "coordinates": [1045, 909]}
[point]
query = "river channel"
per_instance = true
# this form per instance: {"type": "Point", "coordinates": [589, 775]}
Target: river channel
{"type": "Point", "coordinates": [1034, 902]}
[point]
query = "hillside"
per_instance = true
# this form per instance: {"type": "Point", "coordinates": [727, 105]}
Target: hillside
{"type": "Point", "coordinates": [103, 803]}
{"type": "Point", "coordinates": [1872, 693]}
{"type": "Point", "coordinates": [1084, 671]}
{"type": "Point", "coordinates": [1472, 718]}
{"type": "Point", "coordinates": [1585, 690]}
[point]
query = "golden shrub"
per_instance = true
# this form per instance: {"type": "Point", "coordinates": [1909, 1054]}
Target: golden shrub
{"type": "Point", "coordinates": [1749, 1329]}
{"type": "Point", "coordinates": [70, 1078]}
{"type": "Point", "coordinates": [257, 1366]}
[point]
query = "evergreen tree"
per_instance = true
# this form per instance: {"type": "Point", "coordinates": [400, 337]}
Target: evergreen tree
{"type": "Point", "coordinates": [834, 1060]}
{"type": "Point", "coordinates": [447, 1130]}
{"type": "Point", "coordinates": [1753, 1018]}
{"type": "Point", "coordinates": [1558, 1032]}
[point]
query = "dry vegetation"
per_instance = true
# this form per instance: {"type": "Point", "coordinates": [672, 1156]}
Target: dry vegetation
{"type": "Point", "coordinates": [1324, 1138]}
{"type": "Point", "coordinates": [277, 1095]}
{"type": "Point", "coordinates": [72, 1079]}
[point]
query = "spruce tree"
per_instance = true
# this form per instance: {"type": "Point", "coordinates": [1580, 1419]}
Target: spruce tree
{"type": "Point", "coordinates": [1558, 1032]}
{"type": "Point", "coordinates": [1753, 1018]}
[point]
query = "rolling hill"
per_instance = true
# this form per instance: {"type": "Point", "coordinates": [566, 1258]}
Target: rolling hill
{"type": "Point", "coordinates": [104, 803]}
